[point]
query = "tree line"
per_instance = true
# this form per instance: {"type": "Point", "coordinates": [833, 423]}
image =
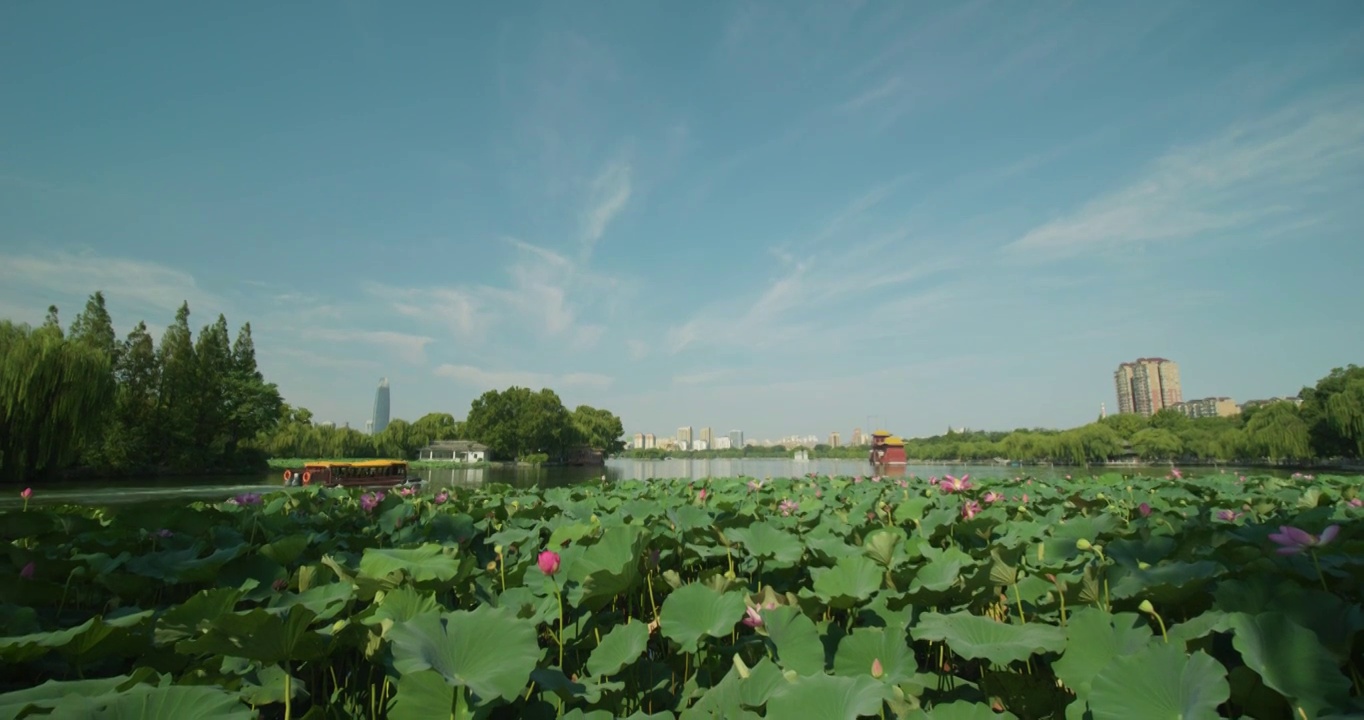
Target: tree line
{"type": "Point", "coordinates": [82, 397]}
{"type": "Point", "coordinates": [515, 424]}
{"type": "Point", "coordinates": [1327, 424]}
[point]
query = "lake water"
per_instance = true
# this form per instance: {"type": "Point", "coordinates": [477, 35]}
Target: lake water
{"type": "Point", "coordinates": [134, 490]}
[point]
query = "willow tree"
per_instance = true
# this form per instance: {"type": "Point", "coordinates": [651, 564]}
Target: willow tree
{"type": "Point", "coordinates": [1278, 432]}
{"type": "Point", "coordinates": [53, 393]}
{"type": "Point", "coordinates": [1345, 412]}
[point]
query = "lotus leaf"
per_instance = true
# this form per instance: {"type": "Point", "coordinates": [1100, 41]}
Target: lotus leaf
{"type": "Point", "coordinates": [973, 636]}
{"type": "Point", "coordinates": [488, 650]}
{"type": "Point", "coordinates": [1161, 681]}
{"type": "Point", "coordinates": [695, 611]}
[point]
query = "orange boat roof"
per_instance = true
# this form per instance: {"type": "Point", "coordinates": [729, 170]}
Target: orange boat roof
{"type": "Point", "coordinates": [892, 440]}
{"type": "Point", "coordinates": [881, 433]}
{"type": "Point", "coordinates": [357, 463]}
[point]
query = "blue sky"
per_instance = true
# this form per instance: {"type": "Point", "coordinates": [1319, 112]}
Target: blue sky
{"type": "Point", "coordinates": [781, 217]}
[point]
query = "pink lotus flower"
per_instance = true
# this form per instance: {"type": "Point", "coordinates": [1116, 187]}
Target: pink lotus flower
{"type": "Point", "coordinates": [1355, 502]}
{"type": "Point", "coordinates": [440, 498]}
{"type": "Point", "coordinates": [27, 572]}
{"type": "Point", "coordinates": [548, 562]}
{"type": "Point", "coordinates": [970, 509]}
{"type": "Point", "coordinates": [1176, 473]}
{"type": "Point", "coordinates": [1293, 540]}
{"type": "Point", "coordinates": [1228, 515]}
{"type": "Point", "coordinates": [752, 618]}
{"type": "Point", "coordinates": [787, 507]}
{"type": "Point", "coordinates": [701, 495]}
{"type": "Point", "coordinates": [1144, 509]}
{"type": "Point", "coordinates": [877, 671]}
{"type": "Point", "coordinates": [992, 497]}
{"type": "Point", "coordinates": [26, 493]}
{"type": "Point", "coordinates": [951, 484]}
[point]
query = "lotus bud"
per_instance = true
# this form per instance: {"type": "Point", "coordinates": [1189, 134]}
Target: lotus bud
{"type": "Point", "coordinates": [876, 670]}
{"type": "Point", "coordinates": [1143, 565]}
{"type": "Point", "coordinates": [492, 566]}
{"type": "Point", "coordinates": [1147, 607]}
{"type": "Point", "coordinates": [497, 550]}
{"type": "Point", "coordinates": [1100, 496]}
{"type": "Point", "coordinates": [1083, 544]}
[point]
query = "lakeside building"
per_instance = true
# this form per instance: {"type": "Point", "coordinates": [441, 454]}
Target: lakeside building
{"type": "Point", "coordinates": [835, 440]}
{"type": "Point", "coordinates": [736, 438]}
{"type": "Point", "coordinates": [380, 419]}
{"type": "Point", "coordinates": [455, 451]}
{"type": "Point", "coordinates": [1208, 407]}
{"type": "Point", "coordinates": [1147, 385]}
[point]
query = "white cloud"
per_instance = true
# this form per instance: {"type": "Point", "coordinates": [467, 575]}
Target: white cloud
{"type": "Point", "coordinates": [638, 349]}
{"type": "Point", "coordinates": [1255, 173]}
{"type": "Point", "coordinates": [830, 291]}
{"type": "Point", "coordinates": [72, 277]}
{"type": "Point", "coordinates": [702, 378]}
{"type": "Point", "coordinates": [609, 195]}
{"type": "Point", "coordinates": [409, 348]}
{"type": "Point", "coordinates": [501, 379]}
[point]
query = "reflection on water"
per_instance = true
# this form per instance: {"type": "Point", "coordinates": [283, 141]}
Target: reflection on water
{"type": "Point", "coordinates": [141, 490]}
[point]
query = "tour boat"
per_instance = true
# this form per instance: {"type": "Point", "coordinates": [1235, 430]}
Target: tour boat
{"type": "Point", "coordinates": [886, 449]}
{"type": "Point", "coordinates": [361, 473]}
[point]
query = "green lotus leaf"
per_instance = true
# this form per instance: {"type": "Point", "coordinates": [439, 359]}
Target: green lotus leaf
{"type": "Point", "coordinates": [1159, 682]}
{"type": "Point", "coordinates": [173, 702]}
{"type": "Point", "coordinates": [608, 567]}
{"type": "Point", "coordinates": [850, 581]}
{"type": "Point", "coordinates": [73, 695]}
{"type": "Point", "coordinates": [883, 546]}
{"type": "Point", "coordinates": [941, 571]}
{"type": "Point", "coordinates": [765, 540]}
{"type": "Point", "coordinates": [1291, 660]}
{"type": "Point", "coordinates": [270, 637]}
{"type": "Point", "coordinates": [194, 615]}
{"type": "Point", "coordinates": [827, 697]}
{"type": "Point", "coordinates": [1093, 639]}
{"type": "Point", "coordinates": [286, 549]}
{"type": "Point", "coordinates": [400, 605]}
{"type": "Point", "coordinates": [1168, 580]}
{"type": "Point", "coordinates": [798, 645]}
{"type": "Point", "coordinates": [961, 710]}
{"type": "Point", "coordinates": [326, 601]}
{"type": "Point", "coordinates": [976, 637]}
{"type": "Point", "coordinates": [695, 611]}
{"type": "Point", "coordinates": [423, 563]}
{"type": "Point", "coordinates": [858, 651]}
{"type": "Point", "coordinates": [618, 648]}
{"type": "Point", "coordinates": [488, 650]}
{"type": "Point", "coordinates": [763, 679]}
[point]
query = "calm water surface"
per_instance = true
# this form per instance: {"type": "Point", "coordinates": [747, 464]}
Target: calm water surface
{"type": "Point", "coordinates": [136, 490]}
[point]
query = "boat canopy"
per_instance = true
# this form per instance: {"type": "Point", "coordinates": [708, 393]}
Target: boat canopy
{"type": "Point", "coordinates": [357, 463]}
{"type": "Point", "coordinates": [881, 433]}
{"type": "Point", "coordinates": [893, 440]}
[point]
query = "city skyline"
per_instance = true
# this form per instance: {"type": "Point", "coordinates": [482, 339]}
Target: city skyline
{"type": "Point", "coordinates": [769, 215]}
{"type": "Point", "coordinates": [379, 419]}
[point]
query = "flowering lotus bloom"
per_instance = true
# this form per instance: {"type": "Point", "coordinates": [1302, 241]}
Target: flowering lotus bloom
{"type": "Point", "coordinates": [752, 618]}
{"type": "Point", "coordinates": [701, 495]}
{"type": "Point", "coordinates": [1228, 515]}
{"type": "Point", "coordinates": [1355, 502]}
{"type": "Point", "coordinates": [26, 493]}
{"type": "Point", "coordinates": [970, 509]}
{"type": "Point", "coordinates": [246, 499]}
{"type": "Point", "coordinates": [369, 501]}
{"type": "Point", "coordinates": [548, 562]}
{"type": "Point", "coordinates": [1144, 509]}
{"type": "Point", "coordinates": [407, 492]}
{"type": "Point", "coordinates": [992, 497]}
{"type": "Point", "coordinates": [752, 486]}
{"type": "Point", "coordinates": [932, 479]}
{"type": "Point", "coordinates": [1293, 540]}
{"type": "Point", "coordinates": [951, 484]}
{"type": "Point", "coordinates": [1176, 473]}
{"type": "Point", "coordinates": [27, 572]}
{"type": "Point", "coordinates": [440, 498]}
{"type": "Point", "coordinates": [787, 507]}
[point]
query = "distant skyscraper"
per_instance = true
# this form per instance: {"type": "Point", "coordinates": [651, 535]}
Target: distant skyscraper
{"type": "Point", "coordinates": [708, 437]}
{"type": "Point", "coordinates": [380, 407]}
{"type": "Point", "coordinates": [736, 439]}
{"type": "Point", "coordinates": [1147, 386]}
{"type": "Point", "coordinates": [684, 437]}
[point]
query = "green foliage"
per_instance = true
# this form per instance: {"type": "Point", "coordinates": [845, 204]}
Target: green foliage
{"type": "Point", "coordinates": [665, 605]}
{"type": "Point", "coordinates": [83, 398]}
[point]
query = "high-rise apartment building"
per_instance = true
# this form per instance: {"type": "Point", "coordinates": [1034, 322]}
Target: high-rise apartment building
{"type": "Point", "coordinates": [834, 439]}
{"type": "Point", "coordinates": [708, 437]}
{"type": "Point", "coordinates": [1208, 407]}
{"type": "Point", "coordinates": [857, 437]}
{"type": "Point", "coordinates": [736, 439]}
{"type": "Point", "coordinates": [1147, 386]}
{"type": "Point", "coordinates": [380, 420]}
{"type": "Point", "coordinates": [638, 441]}
{"type": "Point", "coordinates": [650, 441]}
{"type": "Point", "coordinates": [684, 440]}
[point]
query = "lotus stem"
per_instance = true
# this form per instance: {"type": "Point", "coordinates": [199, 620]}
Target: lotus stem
{"type": "Point", "coordinates": [288, 692]}
{"type": "Point", "coordinates": [1320, 576]}
{"type": "Point", "coordinates": [1018, 597]}
{"type": "Point", "coordinates": [560, 597]}
{"type": "Point", "coordinates": [649, 578]}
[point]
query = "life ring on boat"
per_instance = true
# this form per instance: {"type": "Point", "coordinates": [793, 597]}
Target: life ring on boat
{"type": "Point", "coordinates": [288, 475]}
{"type": "Point", "coordinates": [307, 478]}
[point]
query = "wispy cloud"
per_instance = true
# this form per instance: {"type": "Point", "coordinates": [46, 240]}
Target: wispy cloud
{"type": "Point", "coordinates": [610, 192]}
{"type": "Point", "coordinates": [67, 277]}
{"type": "Point", "coordinates": [409, 348]}
{"type": "Point", "coordinates": [1265, 171]}
{"type": "Point", "coordinates": [638, 349]}
{"type": "Point", "coordinates": [702, 378]}
{"type": "Point", "coordinates": [481, 379]}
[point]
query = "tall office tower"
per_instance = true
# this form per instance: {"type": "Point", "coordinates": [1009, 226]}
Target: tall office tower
{"type": "Point", "coordinates": [650, 441]}
{"type": "Point", "coordinates": [736, 439]}
{"type": "Point", "coordinates": [1147, 386]}
{"type": "Point", "coordinates": [857, 436]}
{"type": "Point", "coordinates": [684, 438]}
{"type": "Point", "coordinates": [381, 407]}
{"type": "Point", "coordinates": [708, 437]}
{"type": "Point", "coordinates": [834, 439]}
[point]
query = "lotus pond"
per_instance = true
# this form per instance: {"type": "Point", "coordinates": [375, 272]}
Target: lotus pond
{"type": "Point", "coordinates": [817, 597]}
